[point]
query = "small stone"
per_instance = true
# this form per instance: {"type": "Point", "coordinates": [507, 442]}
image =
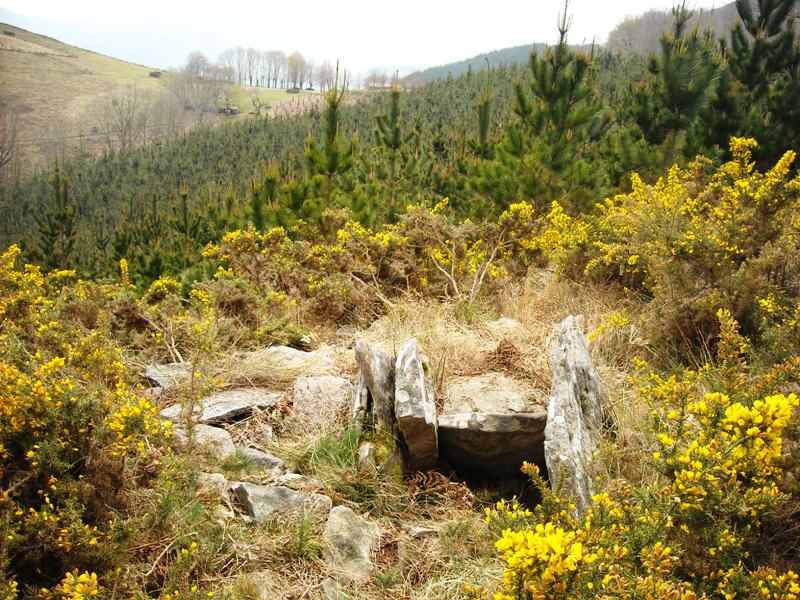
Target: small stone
{"type": "Point", "coordinates": [212, 484]}
{"type": "Point", "coordinates": [291, 479]}
{"type": "Point", "coordinates": [226, 405]}
{"type": "Point", "coordinates": [168, 375]}
{"type": "Point", "coordinates": [366, 457]}
{"type": "Point", "coordinates": [213, 439]}
{"type": "Point", "coordinates": [264, 502]}
{"type": "Point", "coordinates": [265, 462]}
{"type": "Point", "coordinates": [350, 540]}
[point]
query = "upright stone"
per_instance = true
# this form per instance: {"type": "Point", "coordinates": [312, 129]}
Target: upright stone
{"type": "Point", "coordinates": [415, 407]}
{"type": "Point", "coordinates": [375, 382]}
{"type": "Point", "coordinates": [575, 414]}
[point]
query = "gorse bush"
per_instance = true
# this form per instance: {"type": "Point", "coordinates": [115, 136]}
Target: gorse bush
{"type": "Point", "coordinates": [358, 268]}
{"type": "Point", "coordinates": [696, 240]}
{"type": "Point", "coordinates": [71, 428]}
{"type": "Point", "coordinates": [692, 532]}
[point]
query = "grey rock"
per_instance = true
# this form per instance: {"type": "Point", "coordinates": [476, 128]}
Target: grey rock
{"type": "Point", "coordinates": [213, 439]}
{"type": "Point", "coordinates": [265, 462]}
{"type": "Point", "coordinates": [168, 375]}
{"type": "Point", "coordinates": [574, 415]}
{"type": "Point", "coordinates": [494, 445]}
{"type": "Point", "coordinates": [264, 502]}
{"type": "Point", "coordinates": [415, 406]}
{"type": "Point", "coordinates": [349, 542]}
{"type": "Point", "coordinates": [318, 362]}
{"type": "Point", "coordinates": [331, 590]}
{"type": "Point", "coordinates": [291, 479]}
{"type": "Point", "coordinates": [375, 383]}
{"type": "Point", "coordinates": [212, 484]}
{"type": "Point", "coordinates": [418, 531]}
{"type": "Point", "coordinates": [318, 401]}
{"type": "Point", "coordinates": [366, 460]}
{"type": "Point", "coordinates": [226, 405]}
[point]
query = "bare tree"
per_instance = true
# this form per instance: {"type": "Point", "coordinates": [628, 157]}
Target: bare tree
{"type": "Point", "coordinates": [324, 75]}
{"type": "Point", "coordinates": [279, 66]}
{"type": "Point", "coordinates": [296, 64]}
{"type": "Point", "coordinates": [240, 56]}
{"type": "Point", "coordinates": [9, 123]}
{"type": "Point", "coordinates": [251, 64]}
{"type": "Point", "coordinates": [198, 85]}
{"type": "Point", "coordinates": [376, 79]}
{"type": "Point", "coordinates": [122, 117]}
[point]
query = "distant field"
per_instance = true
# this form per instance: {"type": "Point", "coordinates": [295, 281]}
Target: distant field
{"type": "Point", "coordinates": [53, 87]}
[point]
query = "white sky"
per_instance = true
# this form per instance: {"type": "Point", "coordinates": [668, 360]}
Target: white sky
{"type": "Point", "coordinates": [405, 33]}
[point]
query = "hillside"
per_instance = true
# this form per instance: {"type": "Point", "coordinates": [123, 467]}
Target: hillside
{"type": "Point", "coordinates": [52, 85]}
{"type": "Point", "coordinates": [57, 90]}
{"type": "Point", "coordinates": [505, 56]}
{"type": "Point", "coordinates": [640, 34]}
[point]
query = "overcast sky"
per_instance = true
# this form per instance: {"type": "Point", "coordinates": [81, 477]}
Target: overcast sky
{"type": "Point", "coordinates": [403, 33]}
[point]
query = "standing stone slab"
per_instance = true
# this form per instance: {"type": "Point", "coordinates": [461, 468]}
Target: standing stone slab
{"type": "Point", "coordinates": [263, 502]}
{"type": "Point", "coordinates": [375, 381]}
{"type": "Point", "coordinates": [349, 543]}
{"type": "Point", "coordinates": [494, 445]}
{"type": "Point", "coordinates": [574, 415]}
{"type": "Point", "coordinates": [415, 407]}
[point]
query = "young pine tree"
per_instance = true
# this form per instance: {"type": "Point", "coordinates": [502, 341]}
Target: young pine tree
{"type": "Point", "coordinates": [56, 226]}
{"type": "Point", "coordinates": [764, 59]}
{"type": "Point", "coordinates": [546, 155]}
{"type": "Point", "coordinates": [334, 156]}
{"type": "Point", "coordinates": [668, 108]}
{"type": "Point", "coordinates": [391, 139]}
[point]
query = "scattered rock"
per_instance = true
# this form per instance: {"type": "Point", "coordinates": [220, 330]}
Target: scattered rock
{"type": "Point", "coordinates": [212, 484]}
{"type": "Point", "coordinates": [213, 439]}
{"type": "Point", "coordinates": [291, 479]}
{"type": "Point", "coordinates": [494, 445]}
{"type": "Point", "coordinates": [331, 590]}
{"type": "Point", "coordinates": [366, 460]}
{"type": "Point", "coordinates": [168, 375]}
{"type": "Point", "coordinates": [265, 462]}
{"type": "Point", "coordinates": [285, 358]}
{"type": "Point", "coordinates": [374, 394]}
{"type": "Point", "coordinates": [574, 414]}
{"type": "Point", "coordinates": [318, 401]}
{"type": "Point", "coordinates": [263, 502]}
{"type": "Point", "coordinates": [349, 540]}
{"type": "Point", "coordinates": [418, 531]}
{"type": "Point", "coordinates": [415, 407]}
{"type": "Point", "coordinates": [226, 405]}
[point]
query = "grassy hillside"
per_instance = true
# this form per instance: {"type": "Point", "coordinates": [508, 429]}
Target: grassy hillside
{"type": "Point", "coordinates": [55, 88]}
{"type": "Point", "coordinates": [51, 84]}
